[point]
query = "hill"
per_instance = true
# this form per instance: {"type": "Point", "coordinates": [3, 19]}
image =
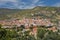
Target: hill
{"type": "Point", "coordinates": [44, 12]}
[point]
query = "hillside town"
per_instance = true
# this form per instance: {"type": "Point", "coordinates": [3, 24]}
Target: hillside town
{"type": "Point", "coordinates": [27, 22]}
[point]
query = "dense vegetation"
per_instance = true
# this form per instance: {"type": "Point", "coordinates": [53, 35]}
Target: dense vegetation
{"type": "Point", "coordinates": [42, 34]}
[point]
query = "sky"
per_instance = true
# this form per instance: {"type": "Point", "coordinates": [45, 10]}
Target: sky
{"type": "Point", "coordinates": [28, 4]}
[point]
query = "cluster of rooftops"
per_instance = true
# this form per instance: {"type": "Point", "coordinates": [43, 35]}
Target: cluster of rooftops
{"type": "Point", "coordinates": [27, 22]}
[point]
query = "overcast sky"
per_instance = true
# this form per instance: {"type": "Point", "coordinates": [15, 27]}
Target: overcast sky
{"type": "Point", "coordinates": [24, 4]}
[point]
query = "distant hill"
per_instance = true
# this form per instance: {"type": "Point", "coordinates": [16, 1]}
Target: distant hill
{"type": "Point", "coordinates": [43, 12]}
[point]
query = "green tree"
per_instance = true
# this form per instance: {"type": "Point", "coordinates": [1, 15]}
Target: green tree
{"type": "Point", "coordinates": [0, 25]}
{"type": "Point", "coordinates": [22, 27]}
{"type": "Point", "coordinates": [52, 36]}
{"type": "Point", "coordinates": [2, 33]}
{"type": "Point", "coordinates": [40, 33]}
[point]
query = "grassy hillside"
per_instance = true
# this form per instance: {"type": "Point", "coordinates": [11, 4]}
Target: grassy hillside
{"type": "Point", "coordinates": [43, 12]}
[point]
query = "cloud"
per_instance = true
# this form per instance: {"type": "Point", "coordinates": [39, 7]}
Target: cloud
{"type": "Point", "coordinates": [26, 6]}
{"type": "Point", "coordinates": [31, 5]}
{"type": "Point", "coordinates": [8, 0]}
{"type": "Point", "coordinates": [8, 3]}
{"type": "Point", "coordinates": [35, 1]}
{"type": "Point", "coordinates": [56, 4]}
{"type": "Point", "coordinates": [20, 4]}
